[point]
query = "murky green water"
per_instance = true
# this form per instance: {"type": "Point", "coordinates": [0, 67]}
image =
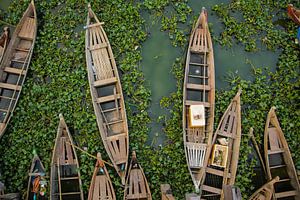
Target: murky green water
{"type": "Point", "coordinates": [159, 55]}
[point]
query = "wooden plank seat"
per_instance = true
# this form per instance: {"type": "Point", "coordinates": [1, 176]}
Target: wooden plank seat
{"type": "Point", "coordinates": [108, 98]}
{"type": "Point", "coordinates": [270, 152]}
{"type": "Point", "coordinates": [98, 46]}
{"type": "Point", "coordinates": [13, 70]}
{"type": "Point", "coordinates": [200, 64]}
{"type": "Point", "coordinates": [10, 86]}
{"type": "Point", "coordinates": [68, 193]}
{"type": "Point", "coordinates": [277, 166]}
{"type": "Point", "coordinates": [190, 102]}
{"type": "Point", "coordinates": [286, 194]}
{"type": "Point", "coordinates": [69, 178]}
{"type": "Point", "coordinates": [196, 154]}
{"type": "Point", "coordinates": [105, 82]}
{"type": "Point", "coordinates": [18, 61]}
{"type": "Point", "coordinates": [22, 49]}
{"type": "Point", "coordinates": [94, 25]}
{"type": "Point", "coordinates": [117, 144]}
{"type": "Point", "coordinates": [137, 187]}
{"type": "Point", "coordinates": [197, 87]}
{"type": "Point", "coordinates": [211, 189]}
{"type": "Point", "coordinates": [216, 172]}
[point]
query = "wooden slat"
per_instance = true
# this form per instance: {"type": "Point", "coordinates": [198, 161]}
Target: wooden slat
{"type": "Point", "coordinates": [14, 70]}
{"type": "Point", "coordinates": [211, 189]}
{"type": "Point", "coordinates": [95, 25]}
{"type": "Point", "coordinates": [69, 178]}
{"type": "Point", "coordinates": [189, 102]}
{"type": "Point", "coordinates": [22, 49]}
{"type": "Point", "coordinates": [108, 98]}
{"type": "Point", "coordinates": [197, 87]}
{"type": "Point", "coordinates": [105, 82]}
{"type": "Point", "coordinates": [98, 46]}
{"type": "Point", "coordinates": [215, 171]}
{"type": "Point", "coordinates": [286, 194]}
{"type": "Point", "coordinates": [270, 152]}
{"type": "Point", "coordinates": [277, 166]}
{"type": "Point", "coordinates": [10, 86]}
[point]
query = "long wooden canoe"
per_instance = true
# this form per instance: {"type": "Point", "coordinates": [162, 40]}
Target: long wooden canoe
{"type": "Point", "coordinates": [101, 186]}
{"type": "Point", "coordinates": [198, 99]}
{"type": "Point", "coordinates": [4, 39]}
{"type": "Point", "coordinates": [36, 184]}
{"type": "Point", "coordinates": [266, 191]}
{"type": "Point", "coordinates": [107, 94]}
{"type": "Point", "coordinates": [166, 192]}
{"type": "Point", "coordinates": [294, 14]}
{"type": "Point", "coordinates": [136, 186]}
{"type": "Point", "coordinates": [224, 154]}
{"type": "Point", "coordinates": [65, 182]}
{"type": "Point", "coordinates": [279, 161]}
{"type": "Point", "coordinates": [15, 63]}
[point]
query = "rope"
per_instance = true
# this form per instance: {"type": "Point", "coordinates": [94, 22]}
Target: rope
{"type": "Point", "coordinates": [3, 22]}
{"type": "Point", "coordinates": [76, 147]}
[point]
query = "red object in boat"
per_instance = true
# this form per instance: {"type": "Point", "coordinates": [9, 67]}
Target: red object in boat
{"type": "Point", "coordinates": [294, 13]}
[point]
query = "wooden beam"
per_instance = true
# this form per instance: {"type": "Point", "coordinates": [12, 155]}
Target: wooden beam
{"type": "Point", "coordinates": [10, 86]}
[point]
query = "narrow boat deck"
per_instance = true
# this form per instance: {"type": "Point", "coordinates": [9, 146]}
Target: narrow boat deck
{"type": "Point", "coordinates": [198, 99]}
{"type": "Point", "coordinates": [107, 94]}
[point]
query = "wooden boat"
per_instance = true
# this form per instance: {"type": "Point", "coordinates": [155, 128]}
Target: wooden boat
{"type": "Point", "coordinates": [166, 192]}
{"type": "Point", "coordinates": [101, 186]}
{"type": "Point", "coordinates": [224, 154]}
{"type": "Point", "coordinates": [106, 94]}
{"type": "Point", "coordinates": [4, 39]}
{"type": "Point", "coordinates": [65, 182]}
{"type": "Point", "coordinates": [36, 184]}
{"type": "Point", "coordinates": [198, 99]}
{"type": "Point", "coordinates": [136, 186]}
{"type": "Point", "coordinates": [279, 161]}
{"type": "Point", "coordinates": [266, 191]}
{"type": "Point", "coordinates": [294, 14]}
{"type": "Point", "coordinates": [15, 63]}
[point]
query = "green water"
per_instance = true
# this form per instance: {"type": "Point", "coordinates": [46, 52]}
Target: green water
{"type": "Point", "coordinates": [159, 55]}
